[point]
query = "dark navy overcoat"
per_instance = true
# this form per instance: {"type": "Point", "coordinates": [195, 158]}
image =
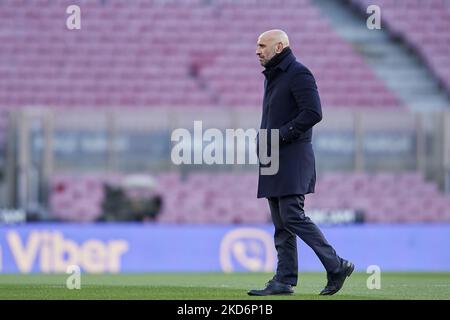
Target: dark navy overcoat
{"type": "Point", "coordinates": [291, 104]}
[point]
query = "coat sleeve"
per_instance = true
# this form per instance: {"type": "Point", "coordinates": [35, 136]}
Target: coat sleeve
{"type": "Point", "coordinates": [304, 89]}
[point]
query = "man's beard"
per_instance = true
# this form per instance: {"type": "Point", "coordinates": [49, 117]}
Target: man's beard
{"type": "Point", "coordinates": [263, 62]}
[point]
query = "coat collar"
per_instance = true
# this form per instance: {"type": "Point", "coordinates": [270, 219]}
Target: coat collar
{"type": "Point", "coordinates": [283, 65]}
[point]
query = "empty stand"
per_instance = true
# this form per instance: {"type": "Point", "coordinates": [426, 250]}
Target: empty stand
{"type": "Point", "coordinates": [146, 53]}
{"type": "Point", "coordinates": [425, 26]}
{"type": "Point", "coordinates": [231, 198]}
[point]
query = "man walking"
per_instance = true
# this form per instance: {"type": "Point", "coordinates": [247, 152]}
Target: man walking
{"type": "Point", "coordinates": [291, 104]}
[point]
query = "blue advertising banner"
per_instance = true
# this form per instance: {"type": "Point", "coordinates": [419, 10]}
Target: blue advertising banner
{"type": "Point", "coordinates": [112, 248]}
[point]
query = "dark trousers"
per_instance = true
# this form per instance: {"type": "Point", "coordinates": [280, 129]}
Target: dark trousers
{"type": "Point", "coordinates": [290, 221]}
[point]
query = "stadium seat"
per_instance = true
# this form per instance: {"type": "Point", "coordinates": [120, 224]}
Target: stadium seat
{"type": "Point", "coordinates": [232, 198]}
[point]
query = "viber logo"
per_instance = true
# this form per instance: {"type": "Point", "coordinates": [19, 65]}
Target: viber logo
{"type": "Point", "coordinates": [54, 253]}
{"type": "Point", "coordinates": [250, 249]}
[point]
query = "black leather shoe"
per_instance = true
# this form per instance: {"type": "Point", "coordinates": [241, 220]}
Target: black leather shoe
{"type": "Point", "coordinates": [336, 280]}
{"type": "Point", "coordinates": [273, 287]}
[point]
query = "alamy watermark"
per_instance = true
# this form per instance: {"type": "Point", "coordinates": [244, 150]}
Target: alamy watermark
{"type": "Point", "coordinates": [73, 21]}
{"type": "Point", "coordinates": [374, 20]}
{"type": "Point", "coordinates": [208, 147]}
{"type": "Point", "coordinates": [374, 280]}
{"type": "Point", "coordinates": [74, 280]}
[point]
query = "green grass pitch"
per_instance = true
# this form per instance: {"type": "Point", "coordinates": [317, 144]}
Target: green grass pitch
{"type": "Point", "coordinates": [218, 286]}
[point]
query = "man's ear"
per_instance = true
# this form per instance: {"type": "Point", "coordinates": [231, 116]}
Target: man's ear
{"type": "Point", "coordinates": [279, 47]}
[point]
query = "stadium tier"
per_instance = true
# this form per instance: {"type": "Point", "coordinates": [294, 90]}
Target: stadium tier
{"type": "Point", "coordinates": [404, 197]}
{"type": "Point", "coordinates": [147, 53]}
{"type": "Point", "coordinates": [425, 26]}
